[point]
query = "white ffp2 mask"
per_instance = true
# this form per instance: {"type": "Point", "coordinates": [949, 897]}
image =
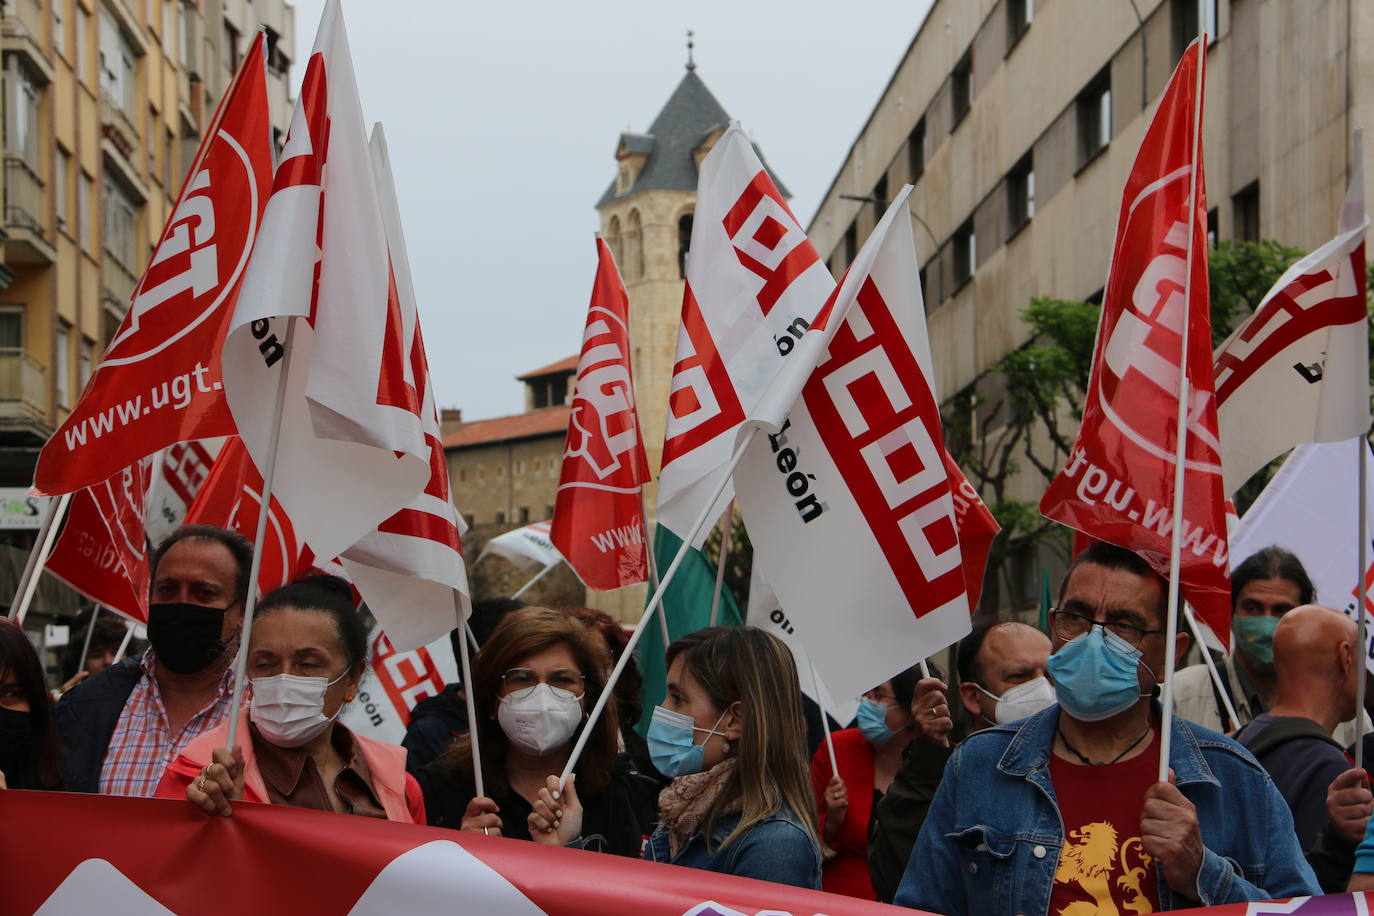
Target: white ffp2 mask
{"type": "Point", "coordinates": [540, 721]}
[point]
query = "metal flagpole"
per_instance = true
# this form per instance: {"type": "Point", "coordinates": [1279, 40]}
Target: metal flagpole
{"type": "Point", "coordinates": [825, 721]}
{"type": "Point", "coordinates": [1362, 590]}
{"type": "Point", "coordinates": [720, 560]}
{"type": "Point", "coordinates": [537, 576]}
{"type": "Point", "coordinates": [38, 557]}
{"type": "Point", "coordinates": [1212, 668]}
{"type": "Point", "coordinates": [628, 652]}
{"type": "Point", "coordinates": [471, 703]}
{"type": "Point", "coordinates": [124, 646]}
{"type": "Point", "coordinates": [1181, 437]}
{"type": "Point", "coordinates": [264, 509]}
{"type": "Point", "coordinates": [472, 637]}
{"type": "Point", "coordinates": [86, 645]}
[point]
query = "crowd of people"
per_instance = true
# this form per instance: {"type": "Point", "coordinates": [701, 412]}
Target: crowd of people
{"type": "Point", "coordinates": [1026, 782]}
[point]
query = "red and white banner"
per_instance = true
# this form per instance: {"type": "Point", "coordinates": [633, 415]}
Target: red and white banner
{"type": "Point", "coordinates": [410, 569]}
{"type": "Point", "coordinates": [1118, 485]}
{"type": "Point", "coordinates": [352, 450]}
{"type": "Point", "coordinates": [855, 474]}
{"type": "Point", "coordinates": [754, 285]}
{"type": "Point", "coordinates": [976, 526]}
{"type": "Point", "coordinates": [394, 682]}
{"type": "Point", "coordinates": [527, 548]}
{"type": "Point", "coordinates": [103, 549]}
{"type": "Point", "coordinates": [179, 471]}
{"type": "Point", "coordinates": [60, 853]}
{"type": "Point", "coordinates": [598, 523]}
{"type": "Point", "coordinates": [159, 382]}
{"type": "Point", "coordinates": [1303, 356]}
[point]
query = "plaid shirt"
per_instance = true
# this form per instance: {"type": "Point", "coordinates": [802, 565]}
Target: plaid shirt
{"type": "Point", "coordinates": [142, 744]}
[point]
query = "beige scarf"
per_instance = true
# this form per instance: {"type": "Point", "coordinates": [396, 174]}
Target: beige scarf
{"type": "Point", "coordinates": [683, 805]}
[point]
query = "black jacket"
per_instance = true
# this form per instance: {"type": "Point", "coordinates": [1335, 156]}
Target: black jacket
{"type": "Point", "coordinates": [85, 719]}
{"type": "Point", "coordinates": [901, 811]}
{"type": "Point", "coordinates": [434, 724]}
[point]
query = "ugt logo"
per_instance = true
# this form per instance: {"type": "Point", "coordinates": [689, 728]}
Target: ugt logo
{"type": "Point", "coordinates": [602, 428]}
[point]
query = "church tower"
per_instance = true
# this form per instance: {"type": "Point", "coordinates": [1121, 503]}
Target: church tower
{"type": "Point", "coordinates": [646, 219]}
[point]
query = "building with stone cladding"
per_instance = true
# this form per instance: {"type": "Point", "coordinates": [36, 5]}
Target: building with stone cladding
{"type": "Point", "coordinates": [1018, 121]}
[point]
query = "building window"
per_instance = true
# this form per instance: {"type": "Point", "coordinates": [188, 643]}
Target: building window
{"type": "Point", "coordinates": [965, 254]}
{"type": "Point", "coordinates": [524, 515]}
{"type": "Point", "coordinates": [880, 198]}
{"type": "Point", "coordinates": [169, 32]}
{"type": "Point", "coordinates": [548, 512]}
{"type": "Point", "coordinates": [1245, 213]}
{"type": "Point", "coordinates": [81, 29]}
{"type": "Point", "coordinates": [118, 66]}
{"type": "Point", "coordinates": [851, 243]}
{"type": "Point", "coordinates": [1020, 14]}
{"type": "Point", "coordinates": [62, 364]}
{"type": "Point", "coordinates": [61, 182]}
{"type": "Point", "coordinates": [916, 152]}
{"type": "Point", "coordinates": [1095, 118]}
{"type": "Point", "coordinates": [961, 88]}
{"type": "Point", "coordinates": [634, 247]}
{"type": "Point", "coordinates": [59, 26]}
{"type": "Point", "coordinates": [12, 330]}
{"type": "Point", "coordinates": [1020, 193]}
{"type": "Point", "coordinates": [121, 226]}
{"type": "Point", "coordinates": [613, 241]}
{"type": "Point", "coordinates": [500, 518]}
{"type": "Point", "coordinates": [21, 137]}
{"type": "Point", "coordinates": [1183, 18]}
{"type": "Point", "coordinates": [85, 363]}
{"type": "Point", "coordinates": [684, 243]}
{"type": "Point", "coordinates": [84, 190]}
{"type": "Point", "coordinates": [1212, 234]}
{"type": "Point", "coordinates": [231, 46]}
{"type": "Point", "coordinates": [169, 152]}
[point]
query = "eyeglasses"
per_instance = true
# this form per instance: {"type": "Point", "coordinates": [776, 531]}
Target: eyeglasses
{"type": "Point", "coordinates": [876, 696]}
{"type": "Point", "coordinates": [564, 682]}
{"type": "Point", "coordinates": [1068, 625]}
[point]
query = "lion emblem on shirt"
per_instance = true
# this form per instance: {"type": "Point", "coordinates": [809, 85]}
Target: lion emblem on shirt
{"type": "Point", "coordinates": [1090, 860]}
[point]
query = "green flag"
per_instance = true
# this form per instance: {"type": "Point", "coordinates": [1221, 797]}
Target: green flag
{"type": "Point", "coordinates": [1045, 600]}
{"type": "Point", "coordinates": [687, 606]}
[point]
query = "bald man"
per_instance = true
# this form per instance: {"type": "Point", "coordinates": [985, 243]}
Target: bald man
{"type": "Point", "coordinates": [1316, 665]}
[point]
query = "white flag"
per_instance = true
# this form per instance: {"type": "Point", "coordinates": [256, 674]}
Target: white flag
{"type": "Point", "coordinates": [847, 500]}
{"type": "Point", "coordinates": [394, 682]}
{"type": "Point", "coordinates": [352, 450]}
{"type": "Point", "coordinates": [754, 285]}
{"type": "Point", "coordinates": [527, 548]}
{"type": "Point", "coordinates": [1297, 370]}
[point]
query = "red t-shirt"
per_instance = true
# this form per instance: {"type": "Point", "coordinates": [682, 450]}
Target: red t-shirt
{"type": "Point", "coordinates": [1102, 868]}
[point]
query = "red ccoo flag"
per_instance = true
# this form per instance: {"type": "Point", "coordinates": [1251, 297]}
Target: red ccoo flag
{"type": "Point", "coordinates": [1118, 485]}
{"type": "Point", "coordinates": [598, 524]}
{"type": "Point", "coordinates": [160, 380]}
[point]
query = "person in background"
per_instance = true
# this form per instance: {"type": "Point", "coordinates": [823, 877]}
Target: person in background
{"type": "Point", "coordinates": [535, 680]}
{"type": "Point", "coordinates": [1317, 666]}
{"type": "Point", "coordinates": [730, 734]}
{"type": "Point", "coordinates": [100, 654]}
{"type": "Point", "coordinates": [29, 750]}
{"type": "Point", "coordinates": [868, 758]}
{"type": "Point", "coordinates": [437, 721]}
{"type": "Point", "coordinates": [306, 656]}
{"type": "Point", "coordinates": [123, 726]}
{"type": "Point", "coordinates": [1001, 667]}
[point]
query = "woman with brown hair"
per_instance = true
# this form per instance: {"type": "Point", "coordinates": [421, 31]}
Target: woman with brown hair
{"type": "Point", "coordinates": [534, 681]}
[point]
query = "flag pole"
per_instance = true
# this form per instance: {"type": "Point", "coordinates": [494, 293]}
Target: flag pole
{"type": "Point", "coordinates": [472, 637]}
{"type": "Point", "coordinates": [1181, 436]}
{"type": "Point", "coordinates": [628, 652]}
{"type": "Point", "coordinates": [825, 720]}
{"type": "Point", "coordinates": [1362, 590]}
{"type": "Point", "coordinates": [537, 576]}
{"type": "Point", "coordinates": [38, 557]}
{"type": "Point", "coordinates": [471, 702]}
{"type": "Point", "coordinates": [1212, 668]}
{"type": "Point", "coordinates": [264, 510]}
{"type": "Point", "coordinates": [124, 645]}
{"type": "Point", "coordinates": [86, 645]}
{"type": "Point", "coordinates": [720, 560]}
{"type": "Point", "coordinates": [653, 560]}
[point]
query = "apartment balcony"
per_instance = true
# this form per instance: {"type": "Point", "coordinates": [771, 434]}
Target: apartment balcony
{"type": "Point", "coordinates": [21, 31]}
{"type": "Point", "coordinates": [23, 392]}
{"type": "Point", "coordinates": [26, 212]}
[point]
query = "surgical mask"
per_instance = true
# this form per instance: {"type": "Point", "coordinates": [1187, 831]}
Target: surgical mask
{"type": "Point", "coordinates": [873, 722]}
{"type": "Point", "coordinates": [1255, 637]}
{"type": "Point", "coordinates": [289, 709]}
{"type": "Point", "coordinates": [1095, 675]}
{"type": "Point", "coordinates": [541, 720]}
{"type": "Point", "coordinates": [185, 636]}
{"type": "Point", "coordinates": [1022, 701]}
{"type": "Point", "coordinates": [671, 745]}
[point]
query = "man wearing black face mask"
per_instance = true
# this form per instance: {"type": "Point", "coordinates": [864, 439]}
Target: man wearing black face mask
{"type": "Point", "coordinates": [123, 726]}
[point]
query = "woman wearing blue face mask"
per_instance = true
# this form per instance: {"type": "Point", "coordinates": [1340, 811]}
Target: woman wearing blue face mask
{"type": "Point", "coordinates": [307, 654]}
{"type": "Point", "coordinates": [868, 757]}
{"type": "Point", "coordinates": [732, 735]}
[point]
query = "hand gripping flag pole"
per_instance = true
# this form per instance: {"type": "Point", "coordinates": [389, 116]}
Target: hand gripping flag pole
{"type": "Point", "coordinates": [38, 557]}
{"type": "Point", "coordinates": [654, 603]}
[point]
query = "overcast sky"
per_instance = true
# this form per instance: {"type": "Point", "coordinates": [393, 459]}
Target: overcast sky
{"type": "Point", "coordinates": [502, 121]}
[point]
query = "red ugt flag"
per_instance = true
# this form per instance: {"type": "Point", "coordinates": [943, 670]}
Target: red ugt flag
{"type": "Point", "coordinates": [1118, 485]}
{"type": "Point", "coordinates": [976, 529]}
{"type": "Point", "coordinates": [160, 380]}
{"type": "Point", "coordinates": [597, 523]}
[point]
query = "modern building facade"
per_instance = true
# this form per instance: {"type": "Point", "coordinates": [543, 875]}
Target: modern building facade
{"type": "Point", "coordinates": [1018, 120]}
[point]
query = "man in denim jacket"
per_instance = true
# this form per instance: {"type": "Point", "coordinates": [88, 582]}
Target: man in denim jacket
{"type": "Point", "coordinates": [1062, 814]}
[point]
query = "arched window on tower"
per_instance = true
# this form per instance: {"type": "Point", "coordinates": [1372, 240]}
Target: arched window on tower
{"type": "Point", "coordinates": [613, 240]}
{"type": "Point", "coordinates": [634, 247]}
{"type": "Point", "coordinates": [684, 242]}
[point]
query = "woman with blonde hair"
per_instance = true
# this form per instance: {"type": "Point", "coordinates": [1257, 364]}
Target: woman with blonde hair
{"type": "Point", "coordinates": [731, 733]}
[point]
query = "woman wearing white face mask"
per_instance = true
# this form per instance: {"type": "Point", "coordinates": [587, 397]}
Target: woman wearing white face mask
{"type": "Point", "coordinates": [307, 654]}
{"type": "Point", "coordinates": [534, 681]}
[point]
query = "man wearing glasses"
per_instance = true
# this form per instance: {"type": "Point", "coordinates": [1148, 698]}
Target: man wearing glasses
{"type": "Point", "coordinates": [1063, 814]}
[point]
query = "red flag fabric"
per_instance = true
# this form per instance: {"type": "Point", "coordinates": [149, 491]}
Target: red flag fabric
{"type": "Point", "coordinates": [103, 549]}
{"type": "Point", "coordinates": [976, 529]}
{"type": "Point", "coordinates": [58, 854]}
{"type": "Point", "coordinates": [597, 522]}
{"type": "Point", "coordinates": [1118, 485]}
{"type": "Point", "coordinates": [160, 379]}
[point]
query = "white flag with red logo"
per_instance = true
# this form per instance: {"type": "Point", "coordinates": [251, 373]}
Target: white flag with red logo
{"type": "Point", "coordinates": [160, 380]}
{"type": "Point", "coordinates": [352, 449]}
{"type": "Point", "coordinates": [410, 568]}
{"type": "Point", "coordinates": [1303, 355]}
{"type": "Point", "coordinates": [529, 547]}
{"type": "Point", "coordinates": [179, 472]}
{"type": "Point", "coordinates": [851, 471]}
{"type": "Point", "coordinates": [103, 549]}
{"type": "Point", "coordinates": [598, 523]}
{"type": "Point", "coordinates": [1118, 485]}
{"type": "Point", "coordinates": [754, 285]}
{"type": "Point", "coordinates": [394, 682]}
